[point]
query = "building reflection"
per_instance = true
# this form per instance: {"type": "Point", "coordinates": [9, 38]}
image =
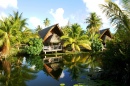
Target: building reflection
{"type": "Point", "coordinates": [53, 66]}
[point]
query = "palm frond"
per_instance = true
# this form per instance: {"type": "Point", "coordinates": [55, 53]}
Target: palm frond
{"type": "Point", "coordinates": [73, 46]}
{"type": "Point", "coordinates": [77, 47]}
{"type": "Point", "coordinates": [66, 43]}
{"type": "Point", "coordinates": [115, 14]}
{"type": "Point", "coordinates": [87, 46]}
{"type": "Point", "coordinates": [2, 38]}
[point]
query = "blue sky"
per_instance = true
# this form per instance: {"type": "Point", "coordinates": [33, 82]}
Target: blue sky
{"type": "Point", "coordinates": [58, 11]}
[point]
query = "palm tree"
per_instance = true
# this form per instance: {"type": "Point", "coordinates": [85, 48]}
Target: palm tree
{"type": "Point", "coordinates": [126, 4]}
{"type": "Point", "coordinates": [27, 34]}
{"type": "Point", "coordinates": [76, 38]}
{"type": "Point", "coordinates": [38, 28]}
{"type": "Point", "coordinates": [5, 30]}
{"type": "Point", "coordinates": [94, 22]}
{"type": "Point", "coordinates": [117, 16]}
{"type": "Point", "coordinates": [10, 29]}
{"type": "Point", "coordinates": [46, 22]}
{"type": "Point", "coordinates": [19, 25]}
{"type": "Point", "coordinates": [66, 29]}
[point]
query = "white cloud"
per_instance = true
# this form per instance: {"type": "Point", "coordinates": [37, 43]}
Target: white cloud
{"type": "Point", "coordinates": [8, 3]}
{"type": "Point", "coordinates": [58, 16]}
{"type": "Point", "coordinates": [93, 6]}
{"type": "Point", "coordinates": [2, 15]}
{"type": "Point", "coordinates": [34, 21]}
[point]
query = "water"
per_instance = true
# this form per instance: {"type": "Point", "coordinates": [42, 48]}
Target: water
{"type": "Point", "coordinates": [53, 70]}
{"type": "Point", "coordinates": [44, 80]}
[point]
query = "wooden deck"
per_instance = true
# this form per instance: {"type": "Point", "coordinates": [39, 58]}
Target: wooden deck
{"type": "Point", "coordinates": [51, 49]}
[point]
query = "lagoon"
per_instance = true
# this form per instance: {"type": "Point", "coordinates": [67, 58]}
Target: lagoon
{"type": "Point", "coordinates": [73, 69]}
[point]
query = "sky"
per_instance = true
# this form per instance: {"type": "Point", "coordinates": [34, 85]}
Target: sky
{"type": "Point", "coordinates": [57, 11]}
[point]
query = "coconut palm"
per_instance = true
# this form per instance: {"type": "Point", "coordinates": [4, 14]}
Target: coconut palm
{"type": "Point", "coordinates": [46, 22]}
{"type": "Point", "coordinates": [27, 34]}
{"type": "Point", "coordinates": [17, 17]}
{"type": "Point", "coordinates": [11, 28]}
{"type": "Point", "coordinates": [94, 22]}
{"type": "Point", "coordinates": [66, 29]}
{"type": "Point", "coordinates": [5, 30]}
{"type": "Point", "coordinates": [76, 39]}
{"type": "Point", "coordinates": [19, 26]}
{"type": "Point", "coordinates": [126, 4]}
{"type": "Point", "coordinates": [117, 16]}
{"type": "Point", "coordinates": [38, 28]}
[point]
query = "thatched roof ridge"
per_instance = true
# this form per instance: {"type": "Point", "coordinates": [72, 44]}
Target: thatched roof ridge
{"type": "Point", "coordinates": [43, 33]}
{"type": "Point", "coordinates": [102, 32]}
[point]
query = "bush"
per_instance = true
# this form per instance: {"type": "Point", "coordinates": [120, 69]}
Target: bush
{"type": "Point", "coordinates": [35, 46]}
{"type": "Point", "coordinates": [116, 61]}
{"type": "Point", "coordinates": [96, 45]}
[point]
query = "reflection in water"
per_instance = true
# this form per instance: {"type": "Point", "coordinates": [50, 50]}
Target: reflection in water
{"type": "Point", "coordinates": [54, 70]}
{"type": "Point", "coordinates": [80, 66]}
{"type": "Point", "coordinates": [75, 65]}
{"type": "Point", "coordinates": [38, 71]}
{"type": "Point", "coordinates": [53, 66]}
{"type": "Point", "coordinates": [24, 61]}
{"type": "Point", "coordinates": [18, 75]}
{"type": "Point", "coordinates": [62, 75]}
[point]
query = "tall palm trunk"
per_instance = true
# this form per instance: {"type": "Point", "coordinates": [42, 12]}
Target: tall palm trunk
{"type": "Point", "coordinates": [5, 47]}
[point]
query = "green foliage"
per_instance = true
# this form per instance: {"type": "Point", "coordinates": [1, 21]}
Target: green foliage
{"type": "Point", "coordinates": [46, 22]}
{"type": "Point", "coordinates": [75, 38]}
{"type": "Point", "coordinates": [118, 17]}
{"type": "Point", "coordinates": [96, 45]}
{"type": "Point", "coordinates": [118, 57]}
{"type": "Point", "coordinates": [37, 61]}
{"type": "Point", "coordinates": [35, 46]}
{"type": "Point", "coordinates": [94, 22]}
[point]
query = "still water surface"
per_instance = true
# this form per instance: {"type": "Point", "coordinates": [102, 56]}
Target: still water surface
{"type": "Point", "coordinates": [53, 70]}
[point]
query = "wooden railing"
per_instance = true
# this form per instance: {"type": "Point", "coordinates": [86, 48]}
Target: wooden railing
{"type": "Point", "coordinates": [54, 47]}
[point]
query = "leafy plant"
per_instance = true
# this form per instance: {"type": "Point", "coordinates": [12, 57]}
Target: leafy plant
{"type": "Point", "coordinates": [76, 38]}
{"type": "Point", "coordinates": [96, 45]}
{"type": "Point", "coordinates": [35, 46]}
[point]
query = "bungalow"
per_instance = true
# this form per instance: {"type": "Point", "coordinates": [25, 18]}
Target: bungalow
{"type": "Point", "coordinates": [51, 38]}
{"type": "Point", "coordinates": [105, 35]}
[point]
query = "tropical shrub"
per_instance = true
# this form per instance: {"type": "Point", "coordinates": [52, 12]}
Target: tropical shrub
{"type": "Point", "coordinates": [96, 45]}
{"type": "Point", "coordinates": [35, 46]}
{"type": "Point", "coordinates": [116, 61]}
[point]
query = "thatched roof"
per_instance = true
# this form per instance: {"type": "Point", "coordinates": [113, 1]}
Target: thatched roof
{"type": "Point", "coordinates": [104, 31]}
{"type": "Point", "coordinates": [45, 33]}
{"type": "Point", "coordinates": [105, 34]}
{"type": "Point", "coordinates": [54, 38]}
{"type": "Point", "coordinates": [54, 70]}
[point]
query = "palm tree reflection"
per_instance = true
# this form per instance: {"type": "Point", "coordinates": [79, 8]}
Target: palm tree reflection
{"type": "Point", "coordinates": [18, 75]}
{"type": "Point", "coordinates": [78, 64]}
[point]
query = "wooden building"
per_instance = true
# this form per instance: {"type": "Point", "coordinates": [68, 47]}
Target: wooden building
{"type": "Point", "coordinates": [105, 35]}
{"type": "Point", "coordinates": [51, 38]}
